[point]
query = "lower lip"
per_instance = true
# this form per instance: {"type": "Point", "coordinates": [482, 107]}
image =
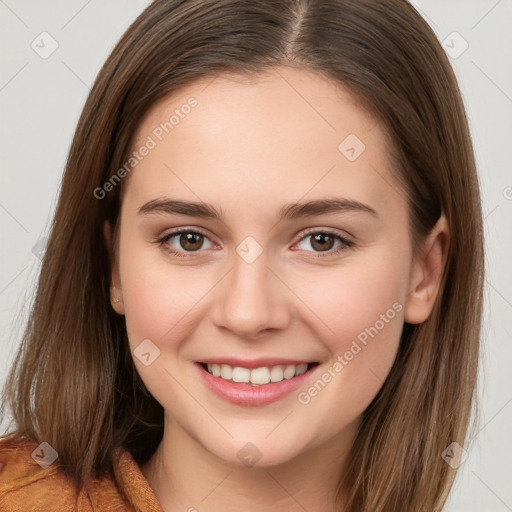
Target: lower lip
{"type": "Point", "coordinates": [251, 395]}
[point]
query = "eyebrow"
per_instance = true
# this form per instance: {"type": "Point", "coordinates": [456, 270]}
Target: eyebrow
{"type": "Point", "coordinates": [289, 211]}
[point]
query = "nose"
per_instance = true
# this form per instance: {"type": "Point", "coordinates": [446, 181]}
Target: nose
{"type": "Point", "coordinates": [252, 299]}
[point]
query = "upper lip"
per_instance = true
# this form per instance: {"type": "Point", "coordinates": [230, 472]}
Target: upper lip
{"type": "Point", "coordinates": [253, 363]}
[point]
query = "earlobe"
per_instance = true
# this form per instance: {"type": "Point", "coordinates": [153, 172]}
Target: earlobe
{"type": "Point", "coordinates": [116, 294]}
{"type": "Point", "coordinates": [426, 274]}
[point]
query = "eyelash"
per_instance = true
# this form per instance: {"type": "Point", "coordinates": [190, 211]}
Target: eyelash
{"type": "Point", "coordinates": [346, 243]}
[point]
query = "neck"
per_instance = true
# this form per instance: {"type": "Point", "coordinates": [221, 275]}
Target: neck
{"type": "Point", "coordinates": [185, 476]}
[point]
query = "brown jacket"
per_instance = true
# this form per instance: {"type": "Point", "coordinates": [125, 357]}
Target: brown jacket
{"type": "Point", "coordinates": [26, 486]}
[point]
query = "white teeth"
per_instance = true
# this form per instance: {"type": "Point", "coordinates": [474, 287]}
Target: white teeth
{"type": "Point", "coordinates": [289, 371]}
{"type": "Point", "coordinates": [226, 372]}
{"type": "Point", "coordinates": [301, 368]}
{"type": "Point", "coordinates": [241, 374]}
{"type": "Point", "coordinates": [258, 376]}
{"type": "Point", "coordinates": [276, 374]}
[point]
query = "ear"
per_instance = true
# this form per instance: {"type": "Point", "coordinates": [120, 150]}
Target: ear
{"type": "Point", "coordinates": [426, 273]}
{"type": "Point", "coordinates": [116, 292]}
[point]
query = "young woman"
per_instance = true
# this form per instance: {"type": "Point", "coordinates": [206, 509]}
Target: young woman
{"type": "Point", "coordinates": [268, 233]}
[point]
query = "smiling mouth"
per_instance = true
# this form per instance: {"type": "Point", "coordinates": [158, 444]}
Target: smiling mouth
{"type": "Point", "coordinates": [257, 376]}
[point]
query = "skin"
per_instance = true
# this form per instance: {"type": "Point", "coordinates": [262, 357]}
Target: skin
{"type": "Point", "coordinates": [248, 148]}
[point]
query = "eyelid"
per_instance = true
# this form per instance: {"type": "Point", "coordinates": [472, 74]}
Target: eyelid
{"type": "Point", "coordinates": [346, 242]}
{"type": "Point", "coordinates": [187, 229]}
{"type": "Point", "coordinates": [178, 231]}
{"type": "Point", "coordinates": [328, 231]}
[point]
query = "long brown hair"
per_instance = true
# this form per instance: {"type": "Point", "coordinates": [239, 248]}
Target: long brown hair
{"type": "Point", "coordinates": [74, 383]}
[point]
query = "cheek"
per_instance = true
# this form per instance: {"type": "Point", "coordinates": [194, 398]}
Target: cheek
{"type": "Point", "coordinates": [160, 301]}
{"type": "Point", "coordinates": [362, 314]}
{"type": "Point", "coordinates": [158, 297]}
{"type": "Point", "coordinates": [161, 305]}
{"type": "Point", "coordinates": [348, 299]}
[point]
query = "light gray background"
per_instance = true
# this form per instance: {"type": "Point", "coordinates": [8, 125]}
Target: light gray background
{"type": "Point", "coordinates": [40, 102]}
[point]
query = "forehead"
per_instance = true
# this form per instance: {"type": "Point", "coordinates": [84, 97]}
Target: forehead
{"type": "Point", "coordinates": [286, 132]}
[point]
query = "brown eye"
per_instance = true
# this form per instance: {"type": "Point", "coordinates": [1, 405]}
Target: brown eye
{"type": "Point", "coordinates": [179, 243]}
{"type": "Point", "coordinates": [191, 241]}
{"type": "Point", "coordinates": [322, 241]}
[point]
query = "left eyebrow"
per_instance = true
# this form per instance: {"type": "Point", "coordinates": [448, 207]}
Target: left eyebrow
{"type": "Point", "coordinates": [323, 206]}
{"type": "Point", "coordinates": [289, 211]}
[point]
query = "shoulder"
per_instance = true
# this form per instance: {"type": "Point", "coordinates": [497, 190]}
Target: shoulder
{"type": "Point", "coordinates": [30, 479]}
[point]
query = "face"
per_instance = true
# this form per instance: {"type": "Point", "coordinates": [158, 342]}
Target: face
{"type": "Point", "coordinates": [326, 281]}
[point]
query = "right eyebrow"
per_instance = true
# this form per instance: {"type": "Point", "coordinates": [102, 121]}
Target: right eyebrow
{"type": "Point", "coordinates": [180, 207]}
